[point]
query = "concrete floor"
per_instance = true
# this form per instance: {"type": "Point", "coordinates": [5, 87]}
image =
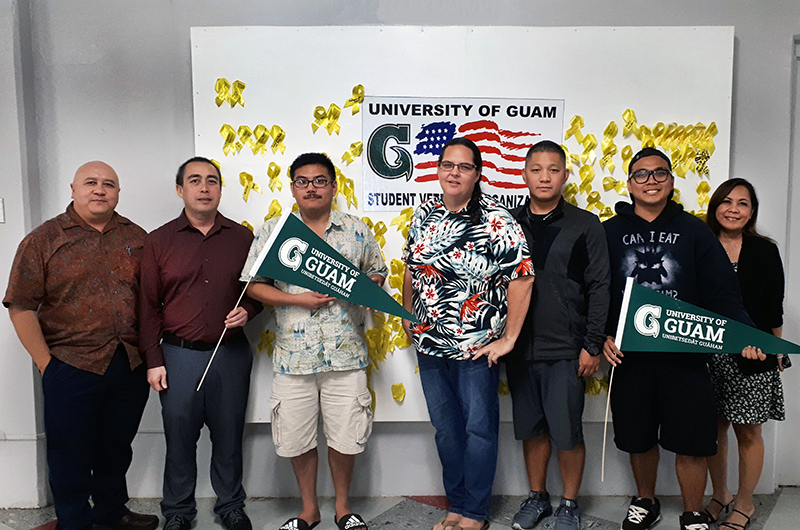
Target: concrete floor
{"type": "Point", "coordinates": [780, 511]}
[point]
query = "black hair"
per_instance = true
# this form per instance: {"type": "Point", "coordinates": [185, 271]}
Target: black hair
{"type": "Point", "coordinates": [722, 191]}
{"type": "Point", "coordinates": [649, 151]}
{"type": "Point", "coordinates": [182, 169]}
{"type": "Point", "coordinates": [474, 205]}
{"type": "Point", "coordinates": [310, 159]}
{"type": "Point", "coordinates": [547, 146]}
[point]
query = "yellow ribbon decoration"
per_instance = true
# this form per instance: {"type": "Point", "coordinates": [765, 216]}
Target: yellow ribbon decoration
{"type": "Point", "coordinates": [296, 208]}
{"type": "Point", "coordinates": [275, 210]}
{"type": "Point", "coordinates": [572, 158]}
{"type": "Point", "coordinates": [589, 143]}
{"type": "Point", "coordinates": [608, 147]}
{"type": "Point", "coordinates": [606, 214]}
{"type": "Point", "coordinates": [358, 97]}
{"type": "Point", "coordinates": [398, 389]}
{"type": "Point", "coordinates": [570, 191]}
{"type": "Point", "coordinates": [403, 221]}
{"type": "Point", "coordinates": [593, 201]}
{"type": "Point", "coordinates": [627, 155]}
{"type": "Point", "coordinates": [236, 95]}
{"type": "Point", "coordinates": [587, 176]}
{"type": "Point", "coordinates": [610, 183]}
{"type": "Point", "coordinates": [229, 134]}
{"type": "Point", "coordinates": [502, 388]}
{"type": "Point", "coordinates": [646, 136]}
{"type": "Point", "coordinates": [261, 137]}
{"type": "Point", "coordinates": [219, 170]}
{"type": "Point", "coordinates": [676, 195]}
{"type": "Point", "coordinates": [328, 119]}
{"type": "Point", "coordinates": [246, 180]}
{"type": "Point", "coordinates": [701, 160]}
{"type": "Point", "coordinates": [273, 171]}
{"type": "Point", "coordinates": [346, 187]}
{"type": "Point", "coordinates": [248, 226]}
{"type": "Point", "coordinates": [702, 193]}
{"type": "Point", "coordinates": [594, 385]}
{"type": "Point", "coordinates": [277, 135]}
{"type": "Point", "coordinates": [629, 117]}
{"type": "Point", "coordinates": [267, 337]}
{"type": "Point", "coordinates": [355, 150]}
{"type": "Point", "coordinates": [222, 86]}
{"type": "Point", "coordinates": [378, 230]}
{"type": "Point", "coordinates": [245, 135]}
{"type": "Point", "coordinates": [575, 125]}
{"type": "Point", "coordinates": [397, 274]}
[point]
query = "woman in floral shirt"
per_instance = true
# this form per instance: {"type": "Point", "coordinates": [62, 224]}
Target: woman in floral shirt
{"type": "Point", "coordinates": [468, 280]}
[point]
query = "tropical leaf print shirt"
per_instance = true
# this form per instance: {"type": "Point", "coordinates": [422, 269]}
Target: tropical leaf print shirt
{"type": "Point", "coordinates": [460, 273]}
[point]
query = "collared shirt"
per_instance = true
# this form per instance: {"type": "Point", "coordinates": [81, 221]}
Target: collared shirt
{"type": "Point", "coordinates": [460, 273]}
{"type": "Point", "coordinates": [190, 282]}
{"type": "Point", "coordinates": [332, 337]}
{"type": "Point", "coordinates": [84, 285]}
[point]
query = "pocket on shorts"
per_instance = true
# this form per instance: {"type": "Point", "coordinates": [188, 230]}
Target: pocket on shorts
{"type": "Point", "coordinates": [364, 423]}
{"type": "Point", "coordinates": [275, 413]}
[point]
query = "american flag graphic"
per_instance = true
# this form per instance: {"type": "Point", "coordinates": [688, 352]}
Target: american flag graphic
{"type": "Point", "coordinates": [503, 151]}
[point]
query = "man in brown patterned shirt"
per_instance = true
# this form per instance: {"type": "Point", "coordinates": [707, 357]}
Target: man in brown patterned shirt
{"type": "Point", "coordinates": [72, 298]}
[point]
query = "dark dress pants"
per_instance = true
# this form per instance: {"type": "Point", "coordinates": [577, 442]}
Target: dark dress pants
{"type": "Point", "coordinates": [221, 404]}
{"type": "Point", "coordinates": [90, 421]}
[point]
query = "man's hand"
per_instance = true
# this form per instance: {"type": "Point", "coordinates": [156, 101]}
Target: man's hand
{"type": "Point", "coordinates": [236, 318]}
{"type": "Point", "coordinates": [751, 352]}
{"type": "Point", "coordinates": [611, 352]}
{"type": "Point", "coordinates": [494, 350]}
{"type": "Point", "coordinates": [157, 377]}
{"type": "Point", "coordinates": [312, 300]}
{"type": "Point", "coordinates": [588, 365]}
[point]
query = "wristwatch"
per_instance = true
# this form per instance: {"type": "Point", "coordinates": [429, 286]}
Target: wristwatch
{"type": "Point", "coordinates": [593, 350]}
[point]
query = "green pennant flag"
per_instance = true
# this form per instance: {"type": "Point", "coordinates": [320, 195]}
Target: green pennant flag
{"type": "Point", "coordinates": [295, 254]}
{"type": "Point", "coordinates": [651, 321]}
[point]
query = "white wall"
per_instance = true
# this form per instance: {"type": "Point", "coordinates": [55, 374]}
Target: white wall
{"type": "Point", "coordinates": [111, 80]}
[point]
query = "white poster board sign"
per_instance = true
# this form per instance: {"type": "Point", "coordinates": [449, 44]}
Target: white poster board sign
{"type": "Point", "coordinates": [598, 73]}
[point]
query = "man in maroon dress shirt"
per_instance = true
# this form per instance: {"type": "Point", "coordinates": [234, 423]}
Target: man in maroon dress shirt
{"type": "Point", "coordinates": [190, 285]}
{"type": "Point", "coordinates": [72, 297]}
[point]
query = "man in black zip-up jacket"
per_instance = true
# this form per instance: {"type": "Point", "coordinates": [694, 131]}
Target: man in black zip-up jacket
{"type": "Point", "coordinates": [563, 333]}
{"type": "Point", "coordinates": [665, 398]}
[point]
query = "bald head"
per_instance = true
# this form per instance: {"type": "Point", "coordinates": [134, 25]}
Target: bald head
{"type": "Point", "coordinates": [95, 193]}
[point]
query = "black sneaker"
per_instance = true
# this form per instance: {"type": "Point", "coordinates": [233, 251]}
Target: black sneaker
{"type": "Point", "coordinates": [176, 522]}
{"type": "Point", "coordinates": [236, 519]}
{"type": "Point", "coordinates": [532, 510]}
{"type": "Point", "coordinates": [568, 516]}
{"type": "Point", "coordinates": [693, 521]}
{"type": "Point", "coordinates": [642, 514]}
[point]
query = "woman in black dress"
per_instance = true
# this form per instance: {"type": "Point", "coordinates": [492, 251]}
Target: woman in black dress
{"type": "Point", "coordinates": [748, 391]}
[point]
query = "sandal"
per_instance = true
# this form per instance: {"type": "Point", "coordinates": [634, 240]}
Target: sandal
{"type": "Point", "coordinates": [295, 523]}
{"type": "Point", "coordinates": [351, 521]}
{"type": "Point", "coordinates": [484, 526]}
{"type": "Point", "coordinates": [726, 508]}
{"type": "Point", "coordinates": [447, 523]}
{"type": "Point", "coordinates": [736, 526]}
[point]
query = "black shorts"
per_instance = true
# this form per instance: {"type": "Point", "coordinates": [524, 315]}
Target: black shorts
{"type": "Point", "coordinates": [547, 398]}
{"type": "Point", "coordinates": [665, 405]}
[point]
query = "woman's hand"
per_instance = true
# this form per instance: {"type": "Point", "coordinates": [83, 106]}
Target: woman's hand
{"type": "Point", "coordinates": [751, 352]}
{"type": "Point", "coordinates": [611, 352]}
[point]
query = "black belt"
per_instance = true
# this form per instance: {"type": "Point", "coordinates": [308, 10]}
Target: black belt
{"type": "Point", "coordinates": [197, 345]}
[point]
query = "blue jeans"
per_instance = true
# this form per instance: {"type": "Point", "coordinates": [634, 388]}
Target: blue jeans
{"type": "Point", "coordinates": [463, 405]}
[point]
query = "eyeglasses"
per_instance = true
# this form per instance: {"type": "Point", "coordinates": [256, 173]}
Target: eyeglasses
{"type": "Point", "coordinates": [643, 175]}
{"type": "Point", "coordinates": [318, 182]}
{"type": "Point", "coordinates": [463, 167]}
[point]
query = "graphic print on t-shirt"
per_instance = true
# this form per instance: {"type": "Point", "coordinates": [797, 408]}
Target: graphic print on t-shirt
{"type": "Point", "coordinates": [649, 260]}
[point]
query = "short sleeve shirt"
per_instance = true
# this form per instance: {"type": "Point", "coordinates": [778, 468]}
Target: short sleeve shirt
{"type": "Point", "coordinates": [332, 337]}
{"type": "Point", "coordinates": [460, 273]}
{"type": "Point", "coordinates": [84, 285]}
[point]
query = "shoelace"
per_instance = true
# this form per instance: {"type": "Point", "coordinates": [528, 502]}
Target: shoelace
{"type": "Point", "coordinates": [566, 511]}
{"type": "Point", "coordinates": [528, 505]}
{"type": "Point", "coordinates": [637, 515]}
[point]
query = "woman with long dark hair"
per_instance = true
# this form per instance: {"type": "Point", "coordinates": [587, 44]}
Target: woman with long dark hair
{"type": "Point", "coordinates": [468, 280]}
{"type": "Point", "coordinates": [748, 391]}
